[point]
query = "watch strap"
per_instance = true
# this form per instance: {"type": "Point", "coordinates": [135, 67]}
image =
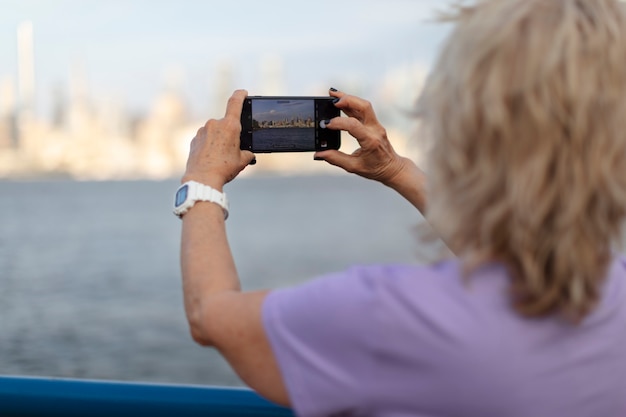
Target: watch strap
{"type": "Point", "coordinates": [206, 193]}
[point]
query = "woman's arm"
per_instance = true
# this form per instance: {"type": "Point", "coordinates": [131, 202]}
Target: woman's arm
{"type": "Point", "coordinates": [219, 314]}
{"type": "Point", "coordinates": [410, 183]}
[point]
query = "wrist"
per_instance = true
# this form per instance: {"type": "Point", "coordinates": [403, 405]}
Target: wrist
{"type": "Point", "coordinates": [397, 174]}
{"type": "Point", "coordinates": [410, 182]}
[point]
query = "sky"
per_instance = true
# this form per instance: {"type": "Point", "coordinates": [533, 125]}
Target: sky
{"type": "Point", "coordinates": [273, 110]}
{"type": "Point", "coordinates": [133, 50]}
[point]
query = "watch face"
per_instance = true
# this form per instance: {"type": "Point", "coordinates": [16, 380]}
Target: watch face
{"type": "Point", "coordinates": [181, 195]}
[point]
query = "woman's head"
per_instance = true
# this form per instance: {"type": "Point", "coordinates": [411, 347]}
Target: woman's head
{"type": "Point", "coordinates": [526, 107]}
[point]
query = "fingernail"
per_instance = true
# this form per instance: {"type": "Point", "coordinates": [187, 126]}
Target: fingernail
{"type": "Point", "coordinates": [334, 90]}
{"type": "Point", "coordinates": [318, 158]}
{"type": "Point", "coordinates": [324, 123]}
{"type": "Point", "coordinates": [336, 100]}
{"type": "Point", "coordinates": [253, 162]}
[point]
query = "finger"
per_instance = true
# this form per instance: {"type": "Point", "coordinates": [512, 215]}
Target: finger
{"type": "Point", "coordinates": [358, 108]}
{"type": "Point", "coordinates": [358, 130]}
{"type": "Point", "coordinates": [248, 158]}
{"type": "Point", "coordinates": [333, 92]}
{"type": "Point", "coordinates": [338, 159]}
{"type": "Point", "coordinates": [235, 105]}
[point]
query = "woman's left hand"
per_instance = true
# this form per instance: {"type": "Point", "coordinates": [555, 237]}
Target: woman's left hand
{"type": "Point", "coordinates": [215, 158]}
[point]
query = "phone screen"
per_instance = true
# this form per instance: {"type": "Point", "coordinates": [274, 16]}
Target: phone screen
{"type": "Point", "coordinates": [288, 124]}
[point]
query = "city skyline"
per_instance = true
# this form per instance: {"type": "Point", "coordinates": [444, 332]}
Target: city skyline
{"type": "Point", "coordinates": [283, 123]}
{"type": "Point", "coordinates": [277, 110]}
{"type": "Point", "coordinates": [80, 132]}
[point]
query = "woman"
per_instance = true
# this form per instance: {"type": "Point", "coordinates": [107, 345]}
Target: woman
{"type": "Point", "coordinates": [527, 184]}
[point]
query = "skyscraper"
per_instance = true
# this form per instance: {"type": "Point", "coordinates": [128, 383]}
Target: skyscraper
{"type": "Point", "coordinates": [26, 75]}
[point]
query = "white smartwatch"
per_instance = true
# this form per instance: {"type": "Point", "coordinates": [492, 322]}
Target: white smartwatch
{"type": "Point", "coordinates": [190, 192]}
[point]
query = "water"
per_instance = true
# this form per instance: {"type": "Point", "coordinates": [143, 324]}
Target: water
{"type": "Point", "coordinates": [89, 274]}
{"type": "Point", "coordinates": [292, 138]}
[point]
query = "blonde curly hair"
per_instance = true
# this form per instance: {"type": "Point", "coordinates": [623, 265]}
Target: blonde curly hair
{"type": "Point", "coordinates": [526, 107]}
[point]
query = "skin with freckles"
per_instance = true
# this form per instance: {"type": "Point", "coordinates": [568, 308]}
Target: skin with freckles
{"type": "Point", "coordinates": [211, 158]}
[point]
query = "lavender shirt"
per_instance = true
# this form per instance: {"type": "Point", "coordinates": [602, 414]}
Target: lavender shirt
{"type": "Point", "coordinates": [420, 341]}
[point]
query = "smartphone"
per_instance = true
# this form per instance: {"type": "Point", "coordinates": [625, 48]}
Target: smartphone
{"type": "Point", "coordinates": [288, 124]}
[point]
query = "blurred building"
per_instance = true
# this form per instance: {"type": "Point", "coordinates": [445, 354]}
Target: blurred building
{"type": "Point", "coordinates": [87, 138]}
{"type": "Point", "coordinates": [7, 114]}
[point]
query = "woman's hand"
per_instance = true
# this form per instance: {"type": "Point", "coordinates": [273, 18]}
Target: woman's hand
{"type": "Point", "coordinates": [375, 159]}
{"type": "Point", "coordinates": [215, 158]}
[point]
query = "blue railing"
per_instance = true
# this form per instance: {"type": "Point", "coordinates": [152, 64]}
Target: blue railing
{"type": "Point", "coordinates": [52, 397]}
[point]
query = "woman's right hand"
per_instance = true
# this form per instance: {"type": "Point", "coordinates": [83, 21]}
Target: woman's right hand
{"type": "Point", "coordinates": [375, 159]}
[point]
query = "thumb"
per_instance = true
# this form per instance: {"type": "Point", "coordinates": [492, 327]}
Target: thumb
{"type": "Point", "coordinates": [338, 159]}
{"type": "Point", "coordinates": [247, 158]}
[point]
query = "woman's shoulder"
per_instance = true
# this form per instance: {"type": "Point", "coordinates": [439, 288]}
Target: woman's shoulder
{"type": "Point", "coordinates": [374, 288]}
{"type": "Point", "coordinates": [398, 274]}
{"type": "Point", "coordinates": [444, 278]}
{"type": "Point", "coordinates": [620, 261]}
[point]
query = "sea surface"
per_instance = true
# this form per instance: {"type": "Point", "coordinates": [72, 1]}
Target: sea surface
{"type": "Point", "coordinates": [286, 138]}
{"type": "Point", "coordinates": [89, 271]}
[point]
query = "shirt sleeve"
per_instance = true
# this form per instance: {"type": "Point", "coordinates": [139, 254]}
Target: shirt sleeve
{"type": "Point", "coordinates": [321, 338]}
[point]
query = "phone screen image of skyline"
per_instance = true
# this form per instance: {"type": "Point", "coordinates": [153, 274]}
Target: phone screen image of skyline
{"type": "Point", "coordinates": [283, 125]}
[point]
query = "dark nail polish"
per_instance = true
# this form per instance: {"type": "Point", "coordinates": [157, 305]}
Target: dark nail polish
{"type": "Point", "coordinates": [336, 100]}
{"type": "Point", "coordinates": [318, 158]}
{"type": "Point", "coordinates": [253, 162]}
{"type": "Point", "coordinates": [324, 123]}
{"type": "Point", "coordinates": [334, 90]}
